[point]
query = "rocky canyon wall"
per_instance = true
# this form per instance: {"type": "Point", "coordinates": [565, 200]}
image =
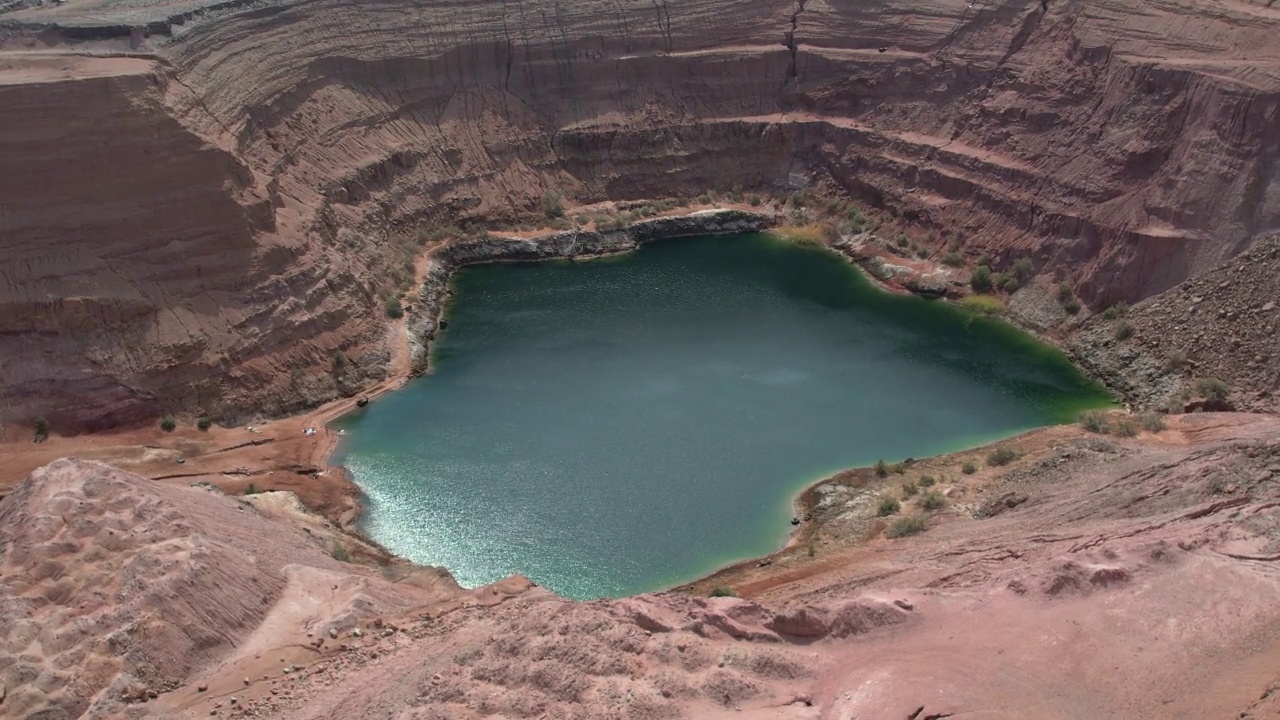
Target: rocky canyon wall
{"type": "Point", "coordinates": [1124, 146]}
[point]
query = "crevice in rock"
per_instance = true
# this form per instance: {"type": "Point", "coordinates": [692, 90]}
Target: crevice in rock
{"type": "Point", "coordinates": [792, 45]}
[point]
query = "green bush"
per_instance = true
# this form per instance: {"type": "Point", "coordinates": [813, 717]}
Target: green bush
{"type": "Point", "coordinates": [909, 489]}
{"type": "Point", "coordinates": [1072, 306]}
{"type": "Point", "coordinates": [1001, 456]}
{"type": "Point", "coordinates": [951, 258]}
{"type": "Point", "coordinates": [1095, 421]}
{"type": "Point", "coordinates": [754, 201]}
{"type": "Point", "coordinates": [1152, 422]}
{"type": "Point", "coordinates": [981, 280]}
{"type": "Point", "coordinates": [1123, 330]}
{"type": "Point", "coordinates": [922, 253]}
{"type": "Point", "coordinates": [898, 468]}
{"type": "Point", "coordinates": [968, 468]}
{"type": "Point", "coordinates": [723, 591]}
{"type": "Point", "coordinates": [932, 500]}
{"type": "Point", "coordinates": [1009, 283]}
{"type": "Point", "coordinates": [1213, 389]}
{"type": "Point", "coordinates": [902, 241]}
{"type": "Point", "coordinates": [1022, 269]}
{"type": "Point", "coordinates": [552, 203]}
{"type": "Point", "coordinates": [888, 505]}
{"type": "Point", "coordinates": [1175, 361]}
{"type": "Point", "coordinates": [909, 525]}
{"type": "Point", "coordinates": [168, 424]}
{"type": "Point", "coordinates": [393, 308]}
{"type": "Point", "coordinates": [882, 468]}
{"type": "Point", "coordinates": [204, 423]}
{"type": "Point", "coordinates": [42, 428]}
{"type": "Point", "coordinates": [927, 481]}
{"type": "Point", "coordinates": [1064, 292]}
{"type": "Point", "coordinates": [252, 490]}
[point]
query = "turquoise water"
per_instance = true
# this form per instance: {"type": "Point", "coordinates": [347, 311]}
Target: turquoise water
{"type": "Point", "coordinates": [625, 424]}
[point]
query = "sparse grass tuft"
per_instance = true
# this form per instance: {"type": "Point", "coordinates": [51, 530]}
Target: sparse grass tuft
{"type": "Point", "coordinates": [882, 468]}
{"type": "Point", "coordinates": [553, 204]}
{"type": "Point", "coordinates": [909, 489]}
{"type": "Point", "coordinates": [928, 481]}
{"type": "Point", "coordinates": [340, 552]}
{"type": "Point", "coordinates": [42, 429]}
{"type": "Point", "coordinates": [1095, 421]}
{"type": "Point", "coordinates": [1123, 330]}
{"type": "Point", "coordinates": [1001, 456]}
{"type": "Point", "coordinates": [932, 500]}
{"type": "Point", "coordinates": [252, 490]}
{"type": "Point", "coordinates": [969, 468]}
{"type": "Point", "coordinates": [951, 258]}
{"type": "Point", "coordinates": [909, 525]}
{"type": "Point", "coordinates": [1152, 422]}
{"type": "Point", "coordinates": [1174, 361]}
{"type": "Point", "coordinates": [723, 591]}
{"type": "Point", "coordinates": [888, 505]}
{"type": "Point", "coordinates": [1126, 428]}
{"type": "Point", "coordinates": [983, 304]}
{"type": "Point", "coordinates": [1115, 312]}
{"type": "Point", "coordinates": [1213, 389]}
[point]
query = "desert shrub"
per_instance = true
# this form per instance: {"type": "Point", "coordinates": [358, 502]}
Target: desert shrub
{"type": "Point", "coordinates": [1001, 456]}
{"type": "Point", "coordinates": [340, 552]}
{"type": "Point", "coordinates": [1064, 292]}
{"type": "Point", "coordinates": [983, 304]}
{"type": "Point", "coordinates": [855, 218]}
{"type": "Point", "coordinates": [42, 428]}
{"type": "Point", "coordinates": [754, 201]}
{"type": "Point", "coordinates": [204, 423]}
{"type": "Point", "coordinates": [561, 224]}
{"type": "Point", "coordinates": [922, 253]}
{"type": "Point", "coordinates": [909, 489]}
{"type": "Point", "coordinates": [882, 468]}
{"type": "Point", "coordinates": [932, 500]}
{"type": "Point", "coordinates": [1213, 389]}
{"type": "Point", "coordinates": [898, 468]}
{"type": "Point", "coordinates": [723, 591]}
{"type": "Point", "coordinates": [1115, 312]}
{"type": "Point", "coordinates": [252, 490]}
{"type": "Point", "coordinates": [1126, 428]}
{"type": "Point", "coordinates": [1123, 330]}
{"type": "Point", "coordinates": [909, 525]}
{"type": "Point", "coordinates": [1009, 283]}
{"type": "Point", "coordinates": [1095, 422]}
{"type": "Point", "coordinates": [552, 203]}
{"type": "Point", "coordinates": [901, 241]}
{"type": "Point", "coordinates": [1152, 422]}
{"type": "Point", "coordinates": [928, 481]}
{"type": "Point", "coordinates": [393, 308]}
{"type": "Point", "coordinates": [340, 361]}
{"type": "Point", "coordinates": [1175, 361]}
{"type": "Point", "coordinates": [168, 424]}
{"type": "Point", "coordinates": [888, 505]}
{"type": "Point", "coordinates": [951, 258]}
{"type": "Point", "coordinates": [1072, 306]}
{"type": "Point", "coordinates": [969, 468]}
{"type": "Point", "coordinates": [705, 199]}
{"type": "Point", "coordinates": [1022, 269]}
{"type": "Point", "coordinates": [980, 280]}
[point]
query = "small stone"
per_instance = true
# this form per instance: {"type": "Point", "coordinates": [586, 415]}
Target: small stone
{"type": "Point", "coordinates": [232, 701]}
{"type": "Point", "coordinates": [333, 634]}
{"type": "Point", "coordinates": [246, 681]}
{"type": "Point", "coordinates": [202, 688]}
{"type": "Point", "coordinates": [356, 633]}
{"type": "Point", "coordinates": [213, 712]}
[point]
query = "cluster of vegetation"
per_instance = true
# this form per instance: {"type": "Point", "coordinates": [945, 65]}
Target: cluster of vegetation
{"type": "Point", "coordinates": [888, 505]}
{"type": "Point", "coordinates": [969, 468]}
{"type": "Point", "coordinates": [951, 258]}
{"type": "Point", "coordinates": [253, 490]}
{"type": "Point", "coordinates": [393, 308]}
{"type": "Point", "coordinates": [204, 423]}
{"type": "Point", "coordinates": [1175, 361]}
{"type": "Point", "coordinates": [909, 525]}
{"type": "Point", "coordinates": [1123, 330]}
{"type": "Point", "coordinates": [909, 489]}
{"type": "Point", "coordinates": [168, 424]}
{"type": "Point", "coordinates": [553, 204]}
{"type": "Point", "coordinates": [1115, 312]}
{"type": "Point", "coordinates": [340, 552]}
{"type": "Point", "coordinates": [983, 304]}
{"type": "Point", "coordinates": [928, 481]}
{"type": "Point", "coordinates": [1213, 389]}
{"type": "Point", "coordinates": [1096, 421]}
{"type": "Point", "coordinates": [932, 500]}
{"type": "Point", "coordinates": [814, 234]}
{"type": "Point", "coordinates": [42, 429]}
{"type": "Point", "coordinates": [1001, 456]}
{"type": "Point", "coordinates": [723, 591]}
{"type": "Point", "coordinates": [1067, 298]}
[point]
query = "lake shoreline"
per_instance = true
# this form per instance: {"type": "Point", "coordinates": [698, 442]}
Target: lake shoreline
{"type": "Point", "coordinates": [428, 316]}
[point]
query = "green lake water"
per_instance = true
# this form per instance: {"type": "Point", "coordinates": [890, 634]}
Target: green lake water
{"type": "Point", "coordinates": [625, 424]}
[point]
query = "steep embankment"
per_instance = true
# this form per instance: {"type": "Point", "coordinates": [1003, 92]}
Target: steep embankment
{"type": "Point", "coordinates": [275, 163]}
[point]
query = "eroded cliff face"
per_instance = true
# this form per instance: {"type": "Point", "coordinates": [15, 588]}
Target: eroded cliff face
{"type": "Point", "coordinates": [1122, 146]}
